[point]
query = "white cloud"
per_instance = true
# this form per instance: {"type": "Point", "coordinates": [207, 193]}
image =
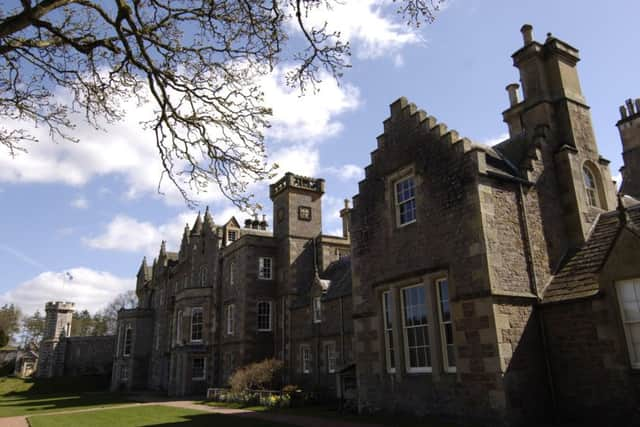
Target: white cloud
{"type": "Point", "coordinates": [127, 234]}
{"type": "Point", "coordinates": [495, 140]}
{"type": "Point", "coordinates": [80, 203]}
{"type": "Point", "coordinates": [88, 289]}
{"type": "Point", "coordinates": [311, 117]}
{"type": "Point", "coordinates": [372, 26]}
{"type": "Point", "coordinates": [299, 159]}
{"type": "Point", "coordinates": [126, 150]}
{"type": "Point", "coordinates": [347, 172]}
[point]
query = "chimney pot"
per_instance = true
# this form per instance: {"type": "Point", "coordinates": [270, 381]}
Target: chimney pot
{"type": "Point", "coordinates": [512, 89]}
{"type": "Point", "coordinates": [623, 112]}
{"type": "Point", "coordinates": [630, 107]}
{"type": "Point", "coordinates": [527, 34]}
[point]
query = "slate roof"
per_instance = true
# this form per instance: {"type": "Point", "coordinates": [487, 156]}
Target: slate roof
{"type": "Point", "coordinates": [338, 277]}
{"type": "Point", "coordinates": [577, 277]}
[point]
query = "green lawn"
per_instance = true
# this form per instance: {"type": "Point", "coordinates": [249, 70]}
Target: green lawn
{"type": "Point", "coordinates": [147, 416]}
{"type": "Point", "coordinates": [27, 396]}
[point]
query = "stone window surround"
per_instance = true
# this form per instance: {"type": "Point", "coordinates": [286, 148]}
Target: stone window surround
{"type": "Point", "coordinates": [179, 327]}
{"type": "Point", "coordinates": [329, 350]}
{"type": "Point", "coordinates": [194, 311]}
{"type": "Point", "coordinates": [442, 324]}
{"type": "Point", "coordinates": [390, 350]}
{"type": "Point", "coordinates": [265, 269]}
{"type": "Point", "coordinates": [269, 316]}
{"type": "Point", "coordinates": [316, 308]}
{"type": "Point", "coordinates": [124, 372]}
{"type": "Point", "coordinates": [634, 355]}
{"type": "Point", "coordinates": [204, 368]}
{"type": "Point", "coordinates": [305, 358]}
{"type": "Point", "coordinates": [390, 193]}
{"type": "Point", "coordinates": [203, 276]}
{"type": "Point", "coordinates": [591, 184]}
{"type": "Point", "coordinates": [128, 340]}
{"type": "Point", "coordinates": [230, 313]}
{"type": "Point", "coordinates": [437, 356]}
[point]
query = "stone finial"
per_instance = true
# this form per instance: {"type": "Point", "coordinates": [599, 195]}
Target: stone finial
{"type": "Point", "coordinates": [637, 102]}
{"type": "Point", "coordinates": [346, 203]}
{"type": "Point", "coordinates": [163, 247]}
{"type": "Point", "coordinates": [527, 34]}
{"type": "Point", "coordinates": [512, 89]}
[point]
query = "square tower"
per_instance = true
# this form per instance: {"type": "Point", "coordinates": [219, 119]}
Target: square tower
{"type": "Point", "coordinates": [57, 326]}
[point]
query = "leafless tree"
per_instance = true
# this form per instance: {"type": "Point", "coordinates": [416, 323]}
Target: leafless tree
{"type": "Point", "coordinates": [198, 61]}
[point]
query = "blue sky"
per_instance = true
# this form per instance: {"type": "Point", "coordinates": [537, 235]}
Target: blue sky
{"type": "Point", "coordinates": [92, 209]}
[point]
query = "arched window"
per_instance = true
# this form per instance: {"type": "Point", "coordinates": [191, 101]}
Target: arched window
{"type": "Point", "coordinates": [590, 187]}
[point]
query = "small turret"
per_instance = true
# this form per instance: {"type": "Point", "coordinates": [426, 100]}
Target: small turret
{"type": "Point", "coordinates": [184, 244]}
{"type": "Point", "coordinates": [208, 220]}
{"type": "Point", "coordinates": [197, 226]}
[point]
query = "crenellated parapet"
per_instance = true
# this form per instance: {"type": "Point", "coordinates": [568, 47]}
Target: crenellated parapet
{"type": "Point", "coordinates": [407, 120]}
{"type": "Point", "coordinates": [293, 181]}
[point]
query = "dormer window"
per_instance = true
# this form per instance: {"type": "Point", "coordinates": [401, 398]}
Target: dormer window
{"type": "Point", "coordinates": [232, 236]}
{"type": "Point", "coordinates": [590, 187]}
{"type": "Point", "coordinates": [405, 201]}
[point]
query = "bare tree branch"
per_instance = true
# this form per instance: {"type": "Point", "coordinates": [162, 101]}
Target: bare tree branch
{"type": "Point", "coordinates": [198, 61]}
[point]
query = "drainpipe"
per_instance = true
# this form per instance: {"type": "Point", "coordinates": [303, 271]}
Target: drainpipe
{"type": "Point", "coordinates": [536, 308]}
{"type": "Point", "coordinates": [342, 359]}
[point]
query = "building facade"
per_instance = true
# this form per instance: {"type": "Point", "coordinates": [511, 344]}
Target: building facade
{"type": "Point", "coordinates": [496, 283]}
{"type": "Point", "coordinates": [234, 294]}
{"type": "Point", "coordinates": [61, 354]}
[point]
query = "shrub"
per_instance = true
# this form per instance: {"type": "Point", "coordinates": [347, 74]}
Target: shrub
{"type": "Point", "coordinates": [255, 376]}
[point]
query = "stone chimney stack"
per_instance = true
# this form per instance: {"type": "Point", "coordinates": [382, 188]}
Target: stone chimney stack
{"type": "Point", "coordinates": [345, 214]}
{"type": "Point", "coordinates": [514, 98]}
{"type": "Point", "coordinates": [629, 127]}
{"type": "Point", "coordinates": [527, 34]}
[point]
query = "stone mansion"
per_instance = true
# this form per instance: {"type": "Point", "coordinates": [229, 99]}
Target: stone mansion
{"type": "Point", "coordinates": [500, 284]}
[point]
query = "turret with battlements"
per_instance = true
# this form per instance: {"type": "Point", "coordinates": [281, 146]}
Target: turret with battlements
{"type": "Point", "coordinates": [57, 327]}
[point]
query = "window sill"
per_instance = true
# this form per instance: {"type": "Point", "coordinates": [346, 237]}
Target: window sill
{"type": "Point", "coordinates": [398, 226]}
{"type": "Point", "coordinates": [419, 371]}
{"type": "Point", "coordinates": [264, 330]}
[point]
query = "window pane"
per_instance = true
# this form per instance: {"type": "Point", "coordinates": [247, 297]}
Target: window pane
{"type": "Point", "coordinates": [631, 311]}
{"type": "Point", "coordinates": [415, 326]}
{"type": "Point", "coordinates": [634, 329]}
